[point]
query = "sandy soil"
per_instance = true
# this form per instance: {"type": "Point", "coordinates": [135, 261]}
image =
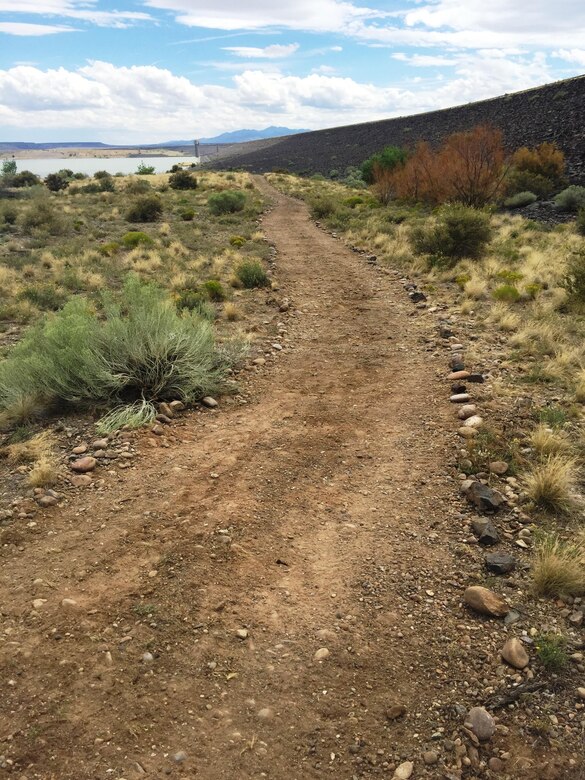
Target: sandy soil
{"type": "Point", "coordinates": [313, 517]}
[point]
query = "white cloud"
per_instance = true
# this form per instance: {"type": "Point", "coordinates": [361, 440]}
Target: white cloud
{"type": "Point", "coordinates": [273, 52]}
{"type": "Point", "coordinates": [313, 15]}
{"type": "Point", "coordinates": [82, 10]}
{"type": "Point", "coordinates": [572, 55]}
{"type": "Point", "coordinates": [24, 28]}
{"type": "Point", "coordinates": [424, 60]}
{"type": "Point", "coordinates": [145, 103]}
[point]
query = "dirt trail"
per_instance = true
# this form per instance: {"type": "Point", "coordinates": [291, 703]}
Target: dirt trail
{"type": "Point", "coordinates": [311, 517]}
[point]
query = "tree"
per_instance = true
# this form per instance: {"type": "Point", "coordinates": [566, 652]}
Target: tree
{"type": "Point", "coordinates": [145, 170]}
{"type": "Point", "coordinates": [8, 168]}
{"type": "Point", "coordinates": [390, 158]}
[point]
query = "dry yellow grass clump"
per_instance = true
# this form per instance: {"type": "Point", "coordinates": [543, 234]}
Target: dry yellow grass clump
{"type": "Point", "coordinates": [548, 442]}
{"type": "Point", "coordinates": [231, 312]}
{"type": "Point", "coordinates": [559, 566]}
{"type": "Point", "coordinates": [551, 483]}
{"type": "Point", "coordinates": [38, 450]}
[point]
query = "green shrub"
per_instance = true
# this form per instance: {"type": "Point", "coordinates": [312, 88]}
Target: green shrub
{"type": "Point", "coordinates": [147, 208]}
{"type": "Point", "coordinates": [182, 180]}
{"type": "Point", "coordinates": [520, 199]}
{"type": "Point", "coordinates": [137, 187]}
{"type": "Point", "coordinates": [109, 249]}
{"type": "Point", "coordinates": [8, 214]}
{"type": "Point", "coordinates": [571, 199]}
{"type": "Point", "coordinates": [145, 170]}
{"type": "Point", "coordinates": [134, 238]}
{"type": "Point", "coordinates": [574, 279]}
{"type": "Point", "coordinates": [237, 241]}
{"type": "Point", "coordinates": [41, 216]}
{"type": "Point", "coordinates": [91, 188]}
{"type": "Point", "coordinates": [193, 300]}
{"type": "Point", "coordinates": [580, 223]}
{"type": "Point", "coordinates": [528, 181]}
{"type": "Point", "coordinates": [551, 651]}
{"type": "Point", "coordinates": [226, 202]}
{"type": "Point", "coordinates": [214, 290]}
{"type": "Point", "coordinates": [128, 416]}
{"type": "Point", "coordinates": [460, 231]}
{"type": "Point", "coordinates": [507, 293]}
{"type": "Point", "coordinates": [25, 179]}
{"type": "Point", "coordinates": [323, 206]}
{"type": "Point", "coordinates": [55, 182]}
{"type": "Point", "coordinates": [389, 158]}
{"type": "Point", "coordinates": [139, 348]}
{"type": "Point", "coordinates": [187, 215]}
{"type": "Point", "coordinates": [46, 297]}
{"type": "Point", "coordinates": [8, 168]}
{"type": "Point", "coordinates": [251, 273]}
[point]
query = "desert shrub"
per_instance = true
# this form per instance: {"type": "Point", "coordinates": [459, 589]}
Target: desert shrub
{"type": "Point", "coordinates": [526, 181]}
{"type": "Point", "coordinates": [182, 180]}
{"type": "Point", "coordinates": [109, 249]}
{"type": "Point", "coordinates": [8, 168]}
{"type": "Point", "coordinates": [194, 300]}
{"type": "Point", "coordinates": [323, 206]}
{"type": "Point", "coordinates": [226, 202]}
{"type": "Point", "coordinates": [571, 199]}
{"type": "Point", "coordinates": [137, 187]}
{"type": "Point", "coordinates": [46, 296]}
{"type": "Point", "coordinates": [102, 175]}
{"type": "Point", "coordinates": [388, 159]}
{"type": "Point", "coordinates": [91, 188]}
{"type": "Point", "coordinates": [580, 223]}
{"type": "Point", "coordinates": [187, 215]}
{"type": "Point", "coordinates": [237, 241]}
{"type": "Point", "coordinates": [458, 232]}
{"type": "Point", "coordinates": [41, 216]}
{"type": "Point", "coordinates": [55, 182]}
{"type": "Point", "coordinates": [25, 179]}
{"type": "Point", "coordinates": [8, 214]}
{"type": "Point", "coordinates": [545, 160]}
{"type": "Point", "coordinates": [507, 293]}
{"type": "Point", "coordinates": [551, 650]}
{"type": "Point", "coordinates": [574, 279]}
{"type": "Point", "coordinates": [520, 199]}
{"type": "Point", "coordinates": [145, 170]}
{"type": "Point", "coordinates": [147, 208]}
{"type": "Point", "coordinates": [135, 237]}
{"type": "Point", "coordinates": [214, 290]}
{"type": "Point", "coordinates": [139, 347]}
{"type": "Point", "coordinates": [251, 273]}
{"type": "Point", "coordinates": [469, 168]}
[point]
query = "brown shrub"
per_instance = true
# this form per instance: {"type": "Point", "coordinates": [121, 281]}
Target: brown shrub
{"type": "Point", "coordinates": [544, 160]}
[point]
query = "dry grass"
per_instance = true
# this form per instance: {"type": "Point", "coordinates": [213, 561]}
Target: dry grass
{"type": "Point", "coordinates": [44, 473]}
{"type": "Point", "coordinates": [548, 442]}
{"type": "Point", "coordinates": [231, 312]}
{"type": "Point", "coordinates": [551, 483]}
{"type": "Point", "coordinates": [580, 386]}
{"type": "Point", "coordinates": [476, 289]}
{"type": "Point", "coordinates": [559, 566]}
{"type": "Point", "coordinates": [502, 316]}
{"type": "Point", "coordinates": [35, 448]}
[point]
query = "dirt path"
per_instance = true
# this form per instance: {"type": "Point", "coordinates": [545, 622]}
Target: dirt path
{"type": "Point", "coordinates": [312, 517]}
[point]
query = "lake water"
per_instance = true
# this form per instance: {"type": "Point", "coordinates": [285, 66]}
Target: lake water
{"type": "Point", "coordinates": [89, 165]}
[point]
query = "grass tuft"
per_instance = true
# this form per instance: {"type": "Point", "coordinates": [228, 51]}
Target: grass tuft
{"type": "Point", "coordinates": [128, 416]}
{"type": "Point", "coordinates": [551, 483]}
{"type": "Point", "coordinates": [559, 566]}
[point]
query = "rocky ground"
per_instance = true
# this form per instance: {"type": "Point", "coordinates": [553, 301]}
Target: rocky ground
{"type": "Point", "coordinates": [300, 581]}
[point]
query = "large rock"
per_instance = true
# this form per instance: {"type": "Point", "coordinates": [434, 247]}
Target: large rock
{"type": "Point", "coordinates": [81, 465]}
{"type": "Point", "coordinates": [485, 601]}
{"type": "Point", "coordinates": [514, 653]}
{"type": "Point", "coordinates": [485, 498]}
{"type": "Point", "coordinates": [500, 563]}
{"type": "Point", "coordinates": [485, 531]}
{"type": "Point", "coordinates": [481, 723]}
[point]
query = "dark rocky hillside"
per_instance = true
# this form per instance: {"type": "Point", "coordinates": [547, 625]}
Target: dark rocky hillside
{"type": "Point", "coordinates": [553, 112]}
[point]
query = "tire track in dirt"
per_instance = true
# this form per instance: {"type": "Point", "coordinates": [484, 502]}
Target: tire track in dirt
{"type": "Point", "coordinates": [326, 488]}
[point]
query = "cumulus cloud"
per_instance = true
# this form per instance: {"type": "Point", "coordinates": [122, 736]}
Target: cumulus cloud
{"type": "Point", "coordinates": [144, 103]}
{"type": "Point", "coordinates": [572, 55]}
{"type": "Point", "coordinates": [274, 52]}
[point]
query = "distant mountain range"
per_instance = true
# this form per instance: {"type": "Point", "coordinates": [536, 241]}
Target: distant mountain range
{"type": "Point", "coordinates": [235, 137]}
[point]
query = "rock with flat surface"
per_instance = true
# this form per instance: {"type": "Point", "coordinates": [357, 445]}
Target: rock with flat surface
{"type": "Point", "coordinates": [481, 723]}
{"type": "Point", "coordinates": [498, 467]}
{"type": "Point", "coordinates": [500, 563]}
{"type": "Point", "coordinates": [485, 498]}
{"type": "Point", "coordinates": [460, 398]}
{"type": "Point", "coordinates": [485, 601]}
{"type": "Point", "coordinates": [514, 653]}
{"type": "Point", "coordinates": [81, 465]}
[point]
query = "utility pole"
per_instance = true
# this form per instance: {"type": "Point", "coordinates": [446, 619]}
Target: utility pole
{"type": "Point", "coordinates": [196, 145]}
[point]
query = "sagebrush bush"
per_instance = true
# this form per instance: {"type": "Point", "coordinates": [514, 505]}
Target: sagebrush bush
{"type": "Point", "coordinates": [135, 237]}
{"type": "Point", "coordinates": [41, 216]}
{"type": "Point", "coordinates": [226, 202]}
{"type": "Point", "coordinates": [44, 296]}
{"type": "Point", "coordinates": [147, 208]}
{"type": "Point", "coordinates": [138, 347]}
{"type": "Point", "coordinates": [459, 231]}
{"type": "Point", "coordinates": [571, 199]}
{"type": "Point", "coordinates": [323, 206]}
{"type": "Point", "coordinates": [182, 180]}
{"type": "Point", "coordinates": [137, 187]}
{"type": "Point", "coordinates": [526, 181]}
{"type": "Point", "coordinates": [520, 199]}
{"type": "Point", "coordinates": [251, 274]}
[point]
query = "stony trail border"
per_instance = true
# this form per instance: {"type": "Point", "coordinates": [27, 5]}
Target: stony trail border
{"type": "Point", "coordinates": [278, 594]}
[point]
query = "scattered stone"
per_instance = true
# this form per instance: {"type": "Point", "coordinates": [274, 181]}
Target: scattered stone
{"type": "Point", "coordinates": [80, 449]}
{"type": "Point", "coordinates": [500, 563]}
{"type": "Point", "coordinates": [485, 498]}
{"type": "Point", "coordinates": [395, 711]}
{"type": "Point", "coordinates": [513, 653]}
{"type": "Point", "coordinates": [158, 430]}
{"type": "Point", "coordinates": [162, 418]}
{"type": "Point", "coordinates": [265, 713]}
{"type": "Point", "coordinates": [512, 617]}
{"type": "Point", "coordinates": [209, 402]}
{"type": "Point", "coordinates": [148, 658]}
{"type": "Point", "coordinates": [321, 654]}
{"type": "Point", "coordinates": [180, 756]}
{"type": "Point", "coordinates": [177, 406]}
{"type": "Point", "coordinates": [581, 693]}
{"type": "Point", "coordinates": [284, 306]}
{"type": "Point", "coordinates": [417, 297]}
{"type": "Point", "coordinates": [430, 757]}
{"type": "Point", "coordinates": [576, 618]}
{"type": "Point", "coordinates": [485, 530]}
{"type": "Point", "coordinates": [242, 633]}
{"type": "Point", "coordinates": [458, 375]}
{"type": "Point", "coordinates": [475, 421]}
{"type": "Point", "coordinates": [467, 433]}
{"type": "Point", "coordinates": [165, 409]}
{"type": "Point", "coordinates": [485, 601]}
{"type": "Point", "coordinates": [481, 723]}
{"type": "Point", "coordinates": [476, 378]}
{"type": "Point", "coordinates": [456, 363]}
{"type": "Point", "coordinates": [499, 467]}
{"type": "Point", "coordinates": [403, 771]}
{"type": "Point", "coordinates": [80, 480]}
{"type": "Point", "coordinates": [460, 398]}
{"type": "Point", "coordinates": [68, 603]}
{"type": "Point", "coordinates": [259, 361]}
{"type": "Point", "coordinates": [496, 764]}
{"type": "Point", "coordinates": [458, 387]}
{"type": "Point", "coordinates": [38, 603]}
{"type": "Point", "coordinates": [46, 501]}
{"type": "Point", "coordinates": [466, 411]}
{"type": "Point", "coordinates": [99, 444]}
{"type": "Point", "coordinates": [445, 332]}
{"type": "Point", "coordinates": [81, 465]}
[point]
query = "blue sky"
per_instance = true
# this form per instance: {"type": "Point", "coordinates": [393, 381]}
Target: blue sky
{"type": "Point", "coordinates": [140, 71]}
